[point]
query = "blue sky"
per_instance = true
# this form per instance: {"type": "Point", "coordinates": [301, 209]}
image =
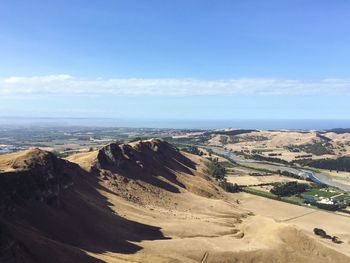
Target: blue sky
{"type": "Point", "coordinates": [183, 59]}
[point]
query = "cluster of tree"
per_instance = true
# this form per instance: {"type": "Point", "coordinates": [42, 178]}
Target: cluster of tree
{"type": "Point", "coordinates": [320, 232]}
{"type": "Point", "coordinates": [288, 189]}
{"type": "Point", "coordinates": [289, 174]}
{"type": "Point", "coordinates": [275, 154]}
{"type": "Point", "coordinates": [258, 174]}
{"type": "Point", "coordinates": [193, 150]}
{"type": "Point", "coordinates": [223, 139]}
{"type": "Point", "coordinates": [293, 149]}
{"type": "Point", "coordinates": [319, 148]}
{"type": "Point", "coordinates": [324, 138]}
{"type": "Point", "coordinates": [330, 207]}
{"type": "Point", "coordinates": [268, 159]}
{"type": "Point", "coordinates": [303, 156]}
{"type": "Point", "coordinates": [254, 151]}
{"type": "Point", "coordinates": [215, 169]}
{"type": "Point", "coordinates": [229, 187]}
{"type": "Point", "coordinates": [339, 164]}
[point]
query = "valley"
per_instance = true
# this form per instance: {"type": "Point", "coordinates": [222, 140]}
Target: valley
{"type": "Point", "coordinates": [148, 200]}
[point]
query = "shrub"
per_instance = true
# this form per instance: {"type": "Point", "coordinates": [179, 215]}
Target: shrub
{"type": "Point", "coordinates": [229, 187]}
{"type": "Point", "coordinates": [193, 150]}
{"type": "Point", "coordinates": [288, 189]}
{"type": "Point", "coordinates": [215, 169]}
{"type": "Point", "coordinates": [289, 174]}
{"type": "Point", "coordinates": [320, 232]}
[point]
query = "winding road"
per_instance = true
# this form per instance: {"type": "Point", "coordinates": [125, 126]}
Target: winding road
{"type": "Point", "coordinates": [315, 177]}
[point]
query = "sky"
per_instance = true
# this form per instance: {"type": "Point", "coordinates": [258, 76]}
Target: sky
{"type": "Point", "coordinates": [175, 60]}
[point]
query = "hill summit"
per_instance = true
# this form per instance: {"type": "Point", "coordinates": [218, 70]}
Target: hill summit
{"type": "Point", "coordinates": [32, 174]}
{"type": "Point", "coordinates": [56, 208]}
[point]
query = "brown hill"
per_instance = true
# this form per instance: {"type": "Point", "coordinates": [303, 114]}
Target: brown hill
{"type": "Point", "coordinates": [147, 171]}
{"type": "Point", "coordinates": [139, 202]}
{"type": "Point", "coordinates": [52, 208]}
{"type": "Point", "coordinates": [32, 175]}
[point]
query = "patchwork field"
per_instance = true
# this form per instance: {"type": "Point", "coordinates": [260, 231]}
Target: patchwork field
{"type": "Point", "coordinates": [248, 180]}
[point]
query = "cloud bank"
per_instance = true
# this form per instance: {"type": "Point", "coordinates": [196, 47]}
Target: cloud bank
{"type": "Point", "coordinates": [69, 85]}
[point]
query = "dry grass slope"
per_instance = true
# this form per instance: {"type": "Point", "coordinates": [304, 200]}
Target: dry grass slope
{"type": "Point", "coordinates": [139, 202]}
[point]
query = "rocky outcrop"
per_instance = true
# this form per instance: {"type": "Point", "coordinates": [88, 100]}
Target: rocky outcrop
{"type": "Point", "coordinates": [151, 162]}
{"type": "Point", "coordinates": [139, 153]}
{"type": "Point", "coordinates": [37, 175]}
{"type": "Point", "coordinates": [110, 155]}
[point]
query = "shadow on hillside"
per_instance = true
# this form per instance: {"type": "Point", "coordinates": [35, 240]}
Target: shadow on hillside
{"type": "Point", "coordinates": [153, 168]}
{"type": "Point", "coordinates": [82, 219]}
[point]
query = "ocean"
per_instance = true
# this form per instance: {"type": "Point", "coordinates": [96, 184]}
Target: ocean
{"type": "Point", "coordinates": [179, 124]}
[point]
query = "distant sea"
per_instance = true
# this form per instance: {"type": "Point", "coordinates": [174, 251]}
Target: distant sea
{"type": "Point", "coordinates": [178, 124]}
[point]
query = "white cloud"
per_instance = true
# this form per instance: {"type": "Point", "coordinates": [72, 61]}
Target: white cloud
{"type": "Point", "coordinates": [69, 85]}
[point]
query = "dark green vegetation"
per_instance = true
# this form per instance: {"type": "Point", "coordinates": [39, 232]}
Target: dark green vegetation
{"type": "Point", "coordinates": [330, 207]}
{"type": "Point", "coordinates": [259, 174]}
{"type": "Point", "coordinates": [296, 195]}
{"type": "Point", "coordinates": [303, 156]}
{"type": "Point", "coordinates": [274, 154]}
{"type": "Point", "coordinates": [317, 195]}
{"type": "Point", "coordinates": [320, 232]}
{"type": "Point", "coordinates": [288, 189]}
{"type": "Point", "coordinates": [215, 169]}
{"type": "Point", "coordinates": [289, 174]}
{"type": "Point", "coordinates": [268, 159]}
{"type": "Point", "coordinates": [317, 148]}
{"type": "Point", "coordinates": [339, 164]}
{"type": "Point", "coordinates": [318, 192]}
{"type": "Point", "coordinates": [324, 138]}
{"type": "Point", "coordinates": [192, 150]}
{"type": "Point", "coordinates": [224, 139]}
{"type": "Point", "coordinates": [340, 200]}
{"type": "Point", "coordinates": [229, 187]}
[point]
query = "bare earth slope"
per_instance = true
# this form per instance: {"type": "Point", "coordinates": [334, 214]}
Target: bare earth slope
{"type": "Point", "coordinates": [139, 202]}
